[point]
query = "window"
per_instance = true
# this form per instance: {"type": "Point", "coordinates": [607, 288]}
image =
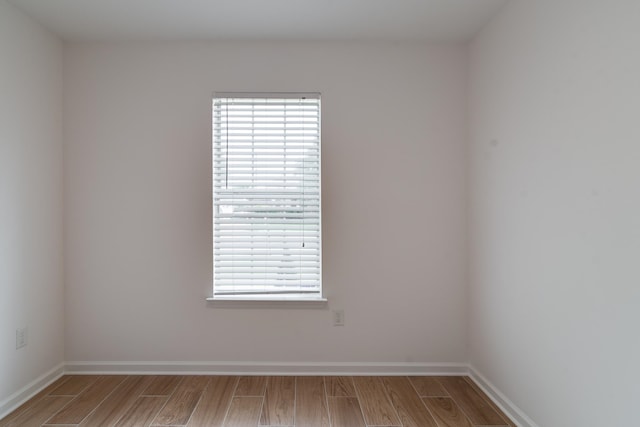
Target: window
{"type": "Point", "coordinates": [266, 196]}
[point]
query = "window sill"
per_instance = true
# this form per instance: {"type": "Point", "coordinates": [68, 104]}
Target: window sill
{"type": "Point", "coordinates": [275, 302]}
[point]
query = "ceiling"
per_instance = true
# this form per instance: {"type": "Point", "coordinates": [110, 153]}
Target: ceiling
{"type": "Point", "coordinates": [295, 20]}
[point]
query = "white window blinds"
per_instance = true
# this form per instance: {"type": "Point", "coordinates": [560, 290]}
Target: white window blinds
{"type": "Point", "coordinates": [266, 196]}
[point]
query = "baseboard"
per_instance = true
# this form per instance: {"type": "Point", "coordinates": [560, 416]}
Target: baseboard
{"type": "Point", "coordinates": [507, 406]}
{"type": "Point", "coordinates": [12, 402]}
{"type": "Point", "coordinates": [265, 368]}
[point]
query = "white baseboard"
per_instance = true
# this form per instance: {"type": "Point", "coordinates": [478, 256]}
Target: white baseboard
{"type": "Point", "coordinates": [266, 368]}
{"type": "Point", "coordinates": [507, 406]}
{"type": "Point", "coordinates": [12, 402]}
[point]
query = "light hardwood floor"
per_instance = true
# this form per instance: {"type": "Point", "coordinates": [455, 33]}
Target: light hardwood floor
{"type": "Point", "coordinates": [210, 401]}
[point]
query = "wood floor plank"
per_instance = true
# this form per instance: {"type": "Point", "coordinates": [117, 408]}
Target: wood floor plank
{"type": "Point", "coordinates": [162, 385]}
{"type": "Point", "coordinates": [74, 385]}
{"type": "Point", "coordinates": [428, 387]}
{"type": "Point", "coordinates": [345, 412]}
{"type": "Point", "coordinates": [446, 412]}
{"type": "Point", "coordinates": [182, 402]}
{"type": "Point", "coordinates": [340, 386]}
{"type": "Point", "coordinates": [215, 402]}
{"type": "Point", "coordinates": [471, 402]}
{"type": "Point", "coordinates": [507, 420]}
{"type": "Point", "coordinates": [407, 403]}
{"type": "Point", "coordinates": [116, 404]}
{"type": "Point", "coordinates": [244, 412]}
{"type": "Point", "coordinates": [311, 403]}
{"type": "Point", "coordinates": [376, 404]}
{"type": "Point", "coordinates": [87, 401]}
{"type": "Point", "coordinates": [279, 401]}
{"type": "Point", "coordinates": [251, 386]}
{"type": "Point", "coordinates": [29, 404]}
{"type": "Point", "coordinates": [39, 412]}
{"type": "Point", "coordinates": [142, 412]}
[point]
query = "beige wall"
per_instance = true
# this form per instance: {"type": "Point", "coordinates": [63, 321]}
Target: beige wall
{"type": "Point", "coordinates": [31, 276]}
{"type": "Point", "coordinates": [138, 203]}
{"type": "Point", "coordinates": [554, 175]}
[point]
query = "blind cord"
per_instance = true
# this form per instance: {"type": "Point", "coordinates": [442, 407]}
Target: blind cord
{"type": "Point", "coordinates": [304, 175]}
{"type": "Point", "coordinates": [226, 159]}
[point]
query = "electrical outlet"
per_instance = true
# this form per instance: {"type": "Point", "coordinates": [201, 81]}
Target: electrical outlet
{"type": "Point", "coordinates": [338, 317]}
{"type": "Point", "coordinates": [21, 337]}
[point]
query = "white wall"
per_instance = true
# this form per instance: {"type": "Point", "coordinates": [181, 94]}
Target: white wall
{"type": "Point", "coordinates": [555, 180]}
{"type": "Point", "coordinates": [31, 275]}
{"type": "Point", "coordinates": [138, 203]}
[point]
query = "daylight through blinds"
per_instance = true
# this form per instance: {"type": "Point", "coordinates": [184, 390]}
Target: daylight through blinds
{"type": "Point", "coordinates": [266, 195]}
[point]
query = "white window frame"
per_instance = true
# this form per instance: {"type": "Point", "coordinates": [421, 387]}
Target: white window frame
{"type": "Point", "coordinates": [254, 291]}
